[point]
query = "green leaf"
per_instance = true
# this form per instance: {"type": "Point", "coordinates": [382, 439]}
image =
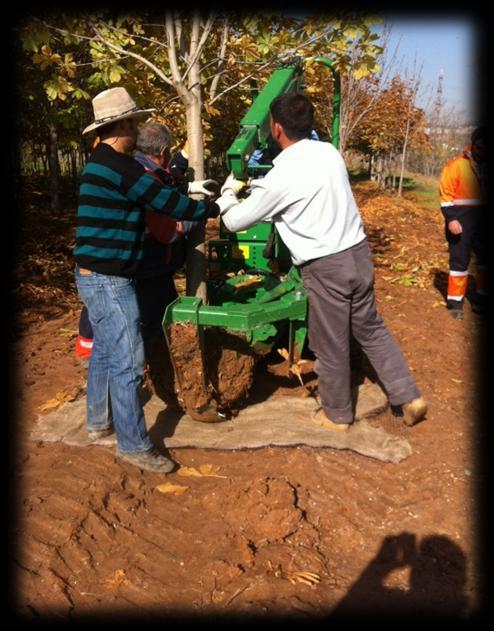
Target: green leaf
{"type": "Point", "coordinates": [115, 75]}
{"type": "Point", "coordinates": [51, 91]}
{"type": "Point", "coordinates": [79, 94]}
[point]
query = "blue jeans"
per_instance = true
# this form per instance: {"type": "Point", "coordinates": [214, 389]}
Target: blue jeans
{"type": "Point", "coordinates": [116, 365]}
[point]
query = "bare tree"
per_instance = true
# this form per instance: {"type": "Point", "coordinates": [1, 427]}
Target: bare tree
{"type": "Point", "coordinates": [413, 84]}
{"type": "Point", "coordinates": [359, 96]}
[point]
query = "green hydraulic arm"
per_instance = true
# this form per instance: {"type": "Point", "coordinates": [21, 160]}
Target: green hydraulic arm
{"type": "Point", "coordinates": [254, 126]}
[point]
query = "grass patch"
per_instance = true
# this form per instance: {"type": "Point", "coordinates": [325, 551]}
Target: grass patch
{"type": "Point", "coordinates": [422, 190]}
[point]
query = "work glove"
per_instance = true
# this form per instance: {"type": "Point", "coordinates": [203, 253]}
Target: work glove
{"type": "Point", "coordinates": [232, 184]}
{"type": "Point", "coordinates": [227, 200]}
{"type": "Point", "coordinates": [206, 187]}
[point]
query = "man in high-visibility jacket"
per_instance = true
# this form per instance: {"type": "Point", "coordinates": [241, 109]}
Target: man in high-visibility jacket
{"type": "Point", "coordinates": [463, 204]}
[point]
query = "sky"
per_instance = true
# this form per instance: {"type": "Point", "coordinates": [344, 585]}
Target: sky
{"type": "Point", "coordinates": [447, 44]}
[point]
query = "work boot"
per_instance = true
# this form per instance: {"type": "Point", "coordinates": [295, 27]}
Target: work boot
{"type": "Point", "coordinates": [455, 309]}
{"type": "Point", "coordinates": [457, 314]}
{"type": "Point", "coordinates": [94, 434]}
{"type": "Point", "coordinates": [321, 419]}
{"type": "Point", "coordinates": [414, 411]}
{"type": "Point", "coordinates": [150, 460]}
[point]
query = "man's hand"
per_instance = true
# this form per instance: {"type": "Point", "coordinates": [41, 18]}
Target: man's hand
{"type": "Point", "coordinates": [454, 227]}
{"type": "Point", "coordinates": [227, 200]}
{"type": "Point", "coordinates": [231, 184]}
{"type": "Point", "coordinates": [205, 187]}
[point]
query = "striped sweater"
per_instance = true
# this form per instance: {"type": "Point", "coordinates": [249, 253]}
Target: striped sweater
{"type": "Point", "coordinates": [114, 194]}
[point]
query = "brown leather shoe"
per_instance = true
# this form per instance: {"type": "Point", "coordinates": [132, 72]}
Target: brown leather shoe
{"type": "Point", "coordinates": [321, 419]}
{"type": "Point", "coordinates": [414, 411]}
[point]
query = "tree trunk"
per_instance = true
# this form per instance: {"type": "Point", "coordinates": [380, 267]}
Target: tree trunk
{"type": "Point", "coordinates": [379, 170]}
{"type": "Point", "coordinates": [196, 247]}
{"type": "Point", "coordinates": [44, 162]}
{"type": "Point", "coordinates": [74, 173]}
{"type": "Point", "coordinates": [403, 157]}
{"type": "Point", "coordinates": [54, 169]}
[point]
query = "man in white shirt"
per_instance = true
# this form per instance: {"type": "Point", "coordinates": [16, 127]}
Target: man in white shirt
{"type": "Point", "coordinates": [307, 195]}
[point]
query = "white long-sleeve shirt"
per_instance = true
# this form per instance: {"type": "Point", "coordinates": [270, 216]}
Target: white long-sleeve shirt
{"type": "Point", "coordinates": [307, 195]}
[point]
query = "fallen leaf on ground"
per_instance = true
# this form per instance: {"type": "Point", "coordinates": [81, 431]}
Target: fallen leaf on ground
{"type": "Point", "coordinates": [204, 470]}
{"type": "Point", "coordinates": [217, 597]}
{"type": "Point", "coordinates": [168, 487]}
{"type": "Point", "coordinates": [59, 399]}
{"type": "Point", "coordinates": [67, 332]}
{"type": "Point", "coordinates": [309, 578]}
{"type": "Point", "coordinates": [117, 578]}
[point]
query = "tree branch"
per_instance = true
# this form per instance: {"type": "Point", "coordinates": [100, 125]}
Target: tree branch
{"type": "Point", "coordinates": [284, 55]}
{"type": "Point", "coordinates": [221, 62]}
{"type": "Point", "coordinates": [172, 56]}
{"type": "Point", "coordinates": [136, 36]}
{"type": "Point", "coordinates": [127, 53]}
{"type": "Point", "coordinates": [180, 37]}
{"type": "Point", "coordinates": [200, 45]}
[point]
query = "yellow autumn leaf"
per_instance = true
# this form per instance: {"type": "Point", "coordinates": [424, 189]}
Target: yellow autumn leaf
{"type": "Point", "coordinates": [309, 578]}
{"type": "Point", "coordinates": [59, 399]}
{"type": "Point", "coordinates": [283, 352]}
{"type": "Point", "coordinates": [117, 578]}
{"type": "Point", "coordinates": [209, 469]}
{"type": "Point", "coordinates": [67, 332]}
{"type": "Point", "coordinates": [189, 472]}
{"type": "Point", "coordinates": [205, 470]}
{"type": "Point", "coordinates": [168, 487]}
{"type": "Point", "coordinates": [249, 281]}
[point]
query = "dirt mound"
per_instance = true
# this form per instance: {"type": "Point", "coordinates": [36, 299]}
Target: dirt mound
{"type": "Point", "coordinates": [230, 363]}
{"type": "Point", "coordinates": [212, 373]}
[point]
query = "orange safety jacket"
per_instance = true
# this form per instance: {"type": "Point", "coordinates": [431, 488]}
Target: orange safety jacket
{"type": "Point", "coordinates": [459, 184]}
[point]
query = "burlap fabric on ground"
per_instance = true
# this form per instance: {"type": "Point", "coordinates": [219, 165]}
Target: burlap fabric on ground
{"type": "Point", "coordinates": [281, 421]}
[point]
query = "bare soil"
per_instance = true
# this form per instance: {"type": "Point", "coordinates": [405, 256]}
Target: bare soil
{"type": "Point", "coordinates": [213, 374]}
{"type": "Point", "coordinates": [275, 532]}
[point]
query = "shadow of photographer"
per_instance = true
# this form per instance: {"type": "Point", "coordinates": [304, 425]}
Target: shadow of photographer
{"type": "Point", "coordinates": [437, 577]}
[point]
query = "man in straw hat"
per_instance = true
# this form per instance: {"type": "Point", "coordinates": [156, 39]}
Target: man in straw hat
{"type": "Point", "coordinates": [115, 193]}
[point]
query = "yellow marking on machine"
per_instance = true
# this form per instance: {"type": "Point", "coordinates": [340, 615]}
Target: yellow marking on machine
{"type": "Point", "coordinates": [240, 251]}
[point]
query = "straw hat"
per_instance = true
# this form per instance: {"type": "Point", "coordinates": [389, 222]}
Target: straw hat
{"type": "Point", "coordinates": [113, 105]}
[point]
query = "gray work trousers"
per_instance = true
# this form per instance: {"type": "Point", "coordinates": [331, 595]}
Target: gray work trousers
{"type": "Point", "coordinates": [340, 289]}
